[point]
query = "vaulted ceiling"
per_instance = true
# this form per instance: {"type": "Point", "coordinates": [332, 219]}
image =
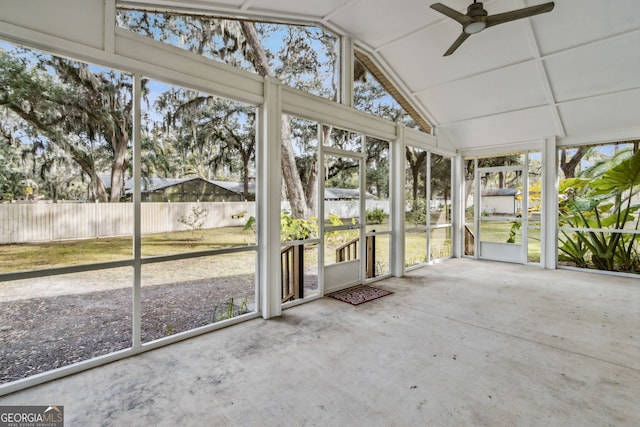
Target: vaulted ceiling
{"type": "Point", "coordinates": [573, 73]}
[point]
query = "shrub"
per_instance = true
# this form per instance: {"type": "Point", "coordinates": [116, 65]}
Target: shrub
{"type": "Point", "coordinates": [375, 216]}
{"type": "Point", "coordinates": [297, 228]}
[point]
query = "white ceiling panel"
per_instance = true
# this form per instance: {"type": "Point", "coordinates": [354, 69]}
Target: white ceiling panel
{"type": "Point", "coordinates": [365, 23]}
{"type": "Point", "coordinates": [476, 96]}
{"type": "Point", "coordinates": [480, 53]}
{"type": "Point", "coordinates": [304, 8]}
{"type": "Point", "coordinates": [576, 22]}
{"type": "Point", "coordinates": [518, 126]}
{"type": "Point", "coordinates": [597, 116]}
{"type": "Point", "coordinates": [607, 66]}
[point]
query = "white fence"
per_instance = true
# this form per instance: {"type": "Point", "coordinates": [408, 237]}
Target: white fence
{"type": "Point", "coordinates": [41, 222]}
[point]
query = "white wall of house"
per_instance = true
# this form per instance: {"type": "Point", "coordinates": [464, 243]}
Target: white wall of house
{"type": "Point", "coordinates": [500, 205]}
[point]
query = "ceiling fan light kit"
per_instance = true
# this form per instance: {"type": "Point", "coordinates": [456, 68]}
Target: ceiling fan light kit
{"type": "Point", "coordinates": [475, 27]}
{"type": "Point", "coordinates": [477, 19]}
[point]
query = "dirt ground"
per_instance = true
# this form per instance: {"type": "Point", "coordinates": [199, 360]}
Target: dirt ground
{"type": "Point", "coordinates": [51, 322]}
{"type": "Point", "coordinates": [44, 333]}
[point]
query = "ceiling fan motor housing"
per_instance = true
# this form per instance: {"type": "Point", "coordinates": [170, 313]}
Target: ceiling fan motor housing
{"type": "Point", "coordinates": [476, 9]}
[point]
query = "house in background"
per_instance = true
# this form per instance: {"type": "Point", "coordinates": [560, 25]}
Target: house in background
{"type": "Point", "coordinates": [194, 189]}
{"type": "Point", "coordinates": [344, 194]}
{"type": "Point", "coordinates": [189, 189]}
{"type": "Point", "coordinates": [500, 201]}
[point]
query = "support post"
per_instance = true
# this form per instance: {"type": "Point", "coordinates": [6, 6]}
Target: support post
{"type": "Point", "coordinates": [137, 207]}
{"type": "Point", "coordinates": [346, 77]}
{"type": "Point", "coordinates": [397, 202]}
{"type": "Point", "coordinates": [459, 238]}
{"type": "Point", "coordinates": [268, 199]}
{"type": "Point", "coordinates": [549, 218]}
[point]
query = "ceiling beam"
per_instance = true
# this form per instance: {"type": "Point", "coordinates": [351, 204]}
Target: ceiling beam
{"type": "Point", "coordinates": [544, 78]}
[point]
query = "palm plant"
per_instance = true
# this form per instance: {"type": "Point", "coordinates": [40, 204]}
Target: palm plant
{"type": "Point", "coordinates": [604, 217]}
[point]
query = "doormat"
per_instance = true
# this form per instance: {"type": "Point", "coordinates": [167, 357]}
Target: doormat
{"type": "Point", "coordinates": [359, 295]}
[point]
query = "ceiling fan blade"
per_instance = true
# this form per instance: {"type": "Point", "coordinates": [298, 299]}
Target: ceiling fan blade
{"type": "Point", "coordinates": [451, 13]}
{"type": "Point", "coordinates": [526, 12]}
{"type": "Point", "coordinates": [456, 44]}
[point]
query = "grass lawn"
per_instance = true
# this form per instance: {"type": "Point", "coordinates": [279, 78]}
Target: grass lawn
{"type": "Point", "coordinates": [499, 232]}
{"type": "Point", "coordinates": [34, 256]}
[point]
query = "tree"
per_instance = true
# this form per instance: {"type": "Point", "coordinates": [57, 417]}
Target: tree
{"type": "Point", "coordinates": [377, 168]}
{"type": "Point", "coordinates": [240, 43]}
{"type": "Point", "coordinates": [569, 165]}
{"type": "Point", "coordinates": [290, 174]}
{"type": "Point", "coordinates": [440, 176]}
{"type": "Point", "coordinates": [304, 137]}
{"type": "Point", "coordinates": [84, 111]}
{"type": "Point", "coordinates": [209, 133]}
{"type": "Point", "coordinates": [12, 174]}
{"type": "Point", "coordinates": [416, 161]}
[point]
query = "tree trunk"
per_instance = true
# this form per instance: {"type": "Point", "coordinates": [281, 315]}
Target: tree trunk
{"type": "Point", "coordinates": [290, 175]}
{"type": "Point", "coordinates": [117, 171]}
{"type": "Point", "coordinates": [100, 191]}
{"type": "Point", "coordinates": [569, 167]}
{"type": "Point", "coordinates": [311, 192]}
{"type": "Point", "coordinates": [245, 177]}
{"type": "Point", "coordinates": [414, 166]}
{"type": "Point", "coordinates": [59, 139]}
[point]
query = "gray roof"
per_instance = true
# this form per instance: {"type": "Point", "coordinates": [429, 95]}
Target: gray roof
{"type": "Point", "coordinates": [157, 183]}
{"type": "Point", "coordinates": [343, 193]}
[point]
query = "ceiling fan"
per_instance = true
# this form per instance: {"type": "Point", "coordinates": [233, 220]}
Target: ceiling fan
{"type": "Point", "coordinates": [477, 19]}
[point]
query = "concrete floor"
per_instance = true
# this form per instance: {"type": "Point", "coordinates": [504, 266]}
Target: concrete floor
{"type": "Point", "coordinates": [459, 343]}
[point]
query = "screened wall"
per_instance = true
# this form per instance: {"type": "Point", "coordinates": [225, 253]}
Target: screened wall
{"type": "Point", "coordinates": [126, 103]}
{"type": "Point", "coordinates": [132, 273]}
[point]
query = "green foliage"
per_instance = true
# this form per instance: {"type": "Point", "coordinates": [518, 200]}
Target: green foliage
{"type": "Point", "coordinates": [250, 224]}
{"type": "Point", "coordinates": [11, 185]}
{"type": "Point", "coordinates": [623, 177]}
{"type": "Point", "coordinates": [169, 330]}
{"type": "Point", "coordinates": [376, 216]}
{"type": "Point", "coordinates": [229, 310]}
{"type": "Point", "coordinates": [513, 231]}
{"type": "Point", "coordinates": [335, 219]}
{"type": "Point", "coordinates": [297, 228]}
{"type": "Point", "coordinates": [290, 228]}
{"type": "Point", "coordinates": [418, 213]}
{"type": "Point", "coordinates": [602, 203]}
{"type": "Point", "coordinates": [76, 117]}
{"type": "Point", "coordinates": [340, 236]}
